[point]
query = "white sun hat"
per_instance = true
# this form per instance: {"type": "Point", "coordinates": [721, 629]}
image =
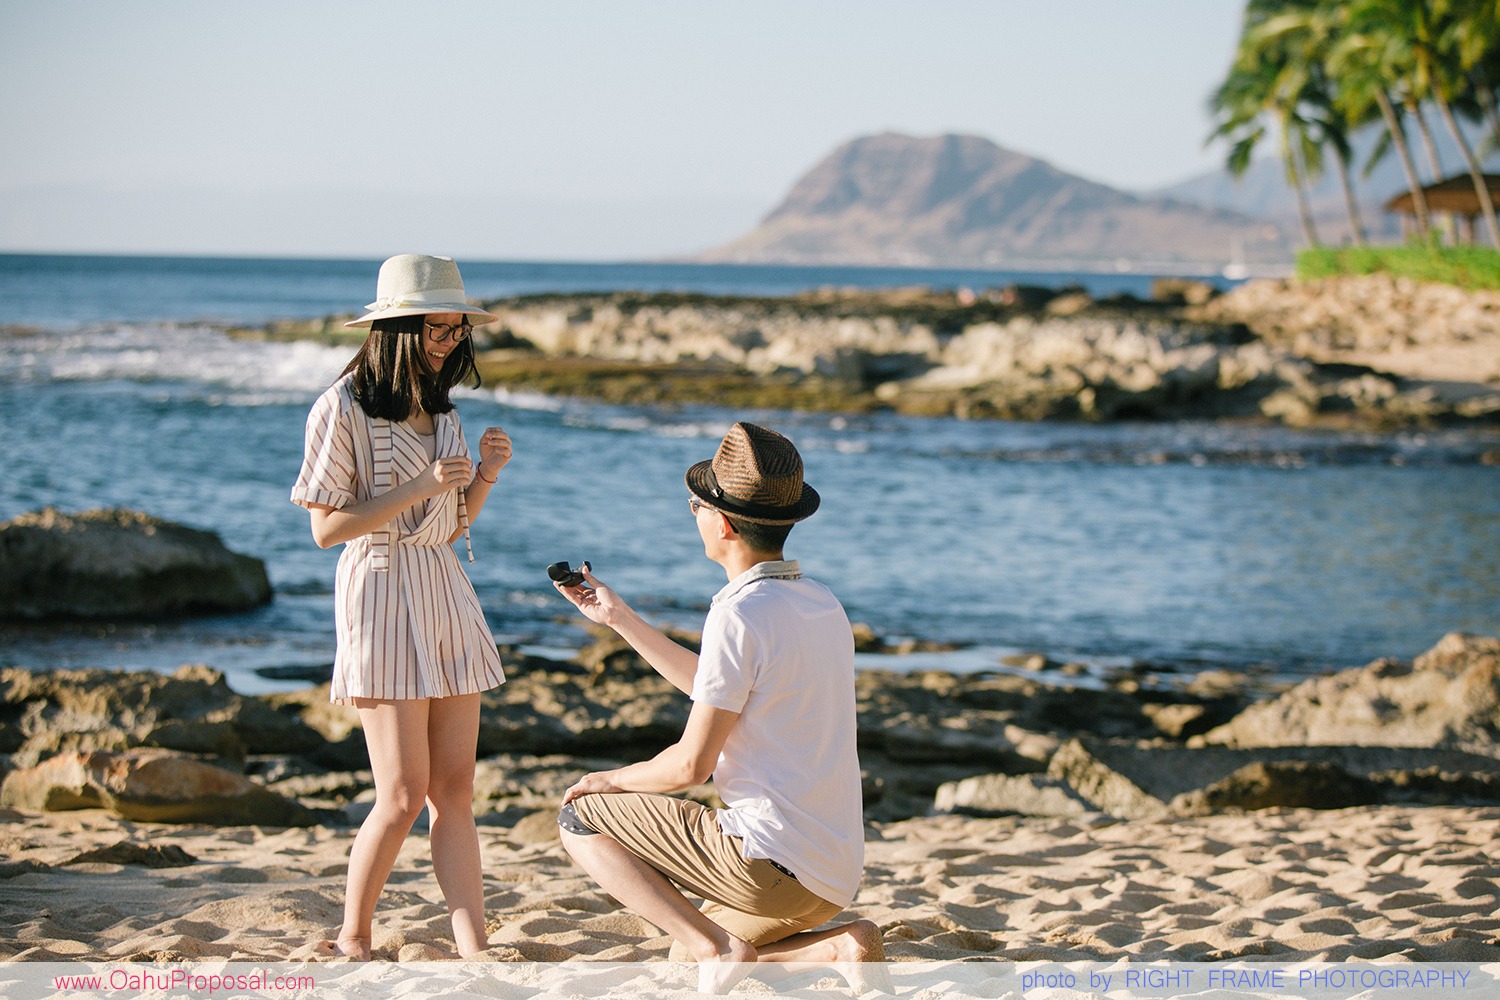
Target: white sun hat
{"type": "Point", "coordinates": [415, 284]}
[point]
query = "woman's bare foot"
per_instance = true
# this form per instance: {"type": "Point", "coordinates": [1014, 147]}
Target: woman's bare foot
{"type": "Point", "coordinates": [353, 948]}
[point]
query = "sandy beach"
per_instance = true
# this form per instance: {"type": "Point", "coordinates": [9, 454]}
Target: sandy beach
{"type": "Point", "coordinates": [1141, 849]}
{"type": "Point", "coordinates": [1387, 882]}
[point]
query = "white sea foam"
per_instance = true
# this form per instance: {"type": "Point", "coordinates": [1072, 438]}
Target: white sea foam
{"type": "Point", "coordinates": [251, 371]}
{"type": "Point", "coordinates": [525, 400]}
{"type": "Point", "coordinates": [661, 423]}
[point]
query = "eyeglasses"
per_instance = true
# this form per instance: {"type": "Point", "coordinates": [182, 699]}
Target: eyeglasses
{"type": "Point", "coordinates": [440, 332]}
{"type": "Point", "coordinates": [695, 505]}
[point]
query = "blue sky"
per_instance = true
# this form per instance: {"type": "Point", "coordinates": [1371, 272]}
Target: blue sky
{"type": "Point", "coordinates": [589, 130]}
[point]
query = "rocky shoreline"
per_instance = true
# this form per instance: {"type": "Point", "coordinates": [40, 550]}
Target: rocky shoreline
{"type": "Point", "coordinates": [166, 819]}
{"type": "Point", "coordinates": [185, 748]}
{"type": "Point", "coordinates": [1369, 352]}
{"type": "Point", "coordinates": [1036, 738]}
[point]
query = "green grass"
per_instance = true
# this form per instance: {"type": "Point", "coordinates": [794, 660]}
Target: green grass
{"type": "Point", "coordinates": [1472, 267]}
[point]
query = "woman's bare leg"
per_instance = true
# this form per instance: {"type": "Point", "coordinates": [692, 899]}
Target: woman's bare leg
{"type": "Point", "coordinates": [453, 732]}
{"type": "Point", "coordinates": [396, 735]}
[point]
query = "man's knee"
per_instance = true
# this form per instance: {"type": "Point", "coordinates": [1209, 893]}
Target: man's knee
{"type": "Point", "coordinates": [568, 819]}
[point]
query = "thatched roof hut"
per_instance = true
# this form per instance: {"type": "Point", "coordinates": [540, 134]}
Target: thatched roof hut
{"type": "Point", "coordinates": [1453, 196]}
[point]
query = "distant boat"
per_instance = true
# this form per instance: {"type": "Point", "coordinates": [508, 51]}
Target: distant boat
{"type": "Point", "coordinates": [1236, 269]}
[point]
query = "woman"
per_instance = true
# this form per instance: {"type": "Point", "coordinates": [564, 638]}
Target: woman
{"type": "Point", "coordinates": [387, 473]}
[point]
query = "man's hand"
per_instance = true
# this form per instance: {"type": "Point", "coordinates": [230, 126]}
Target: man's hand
{"type": "Point", "coordinates": [598, 603]}
{"type": "Point", "coordinates": [603, 606]}
{"type": "Point", "coordinates": [594, 783]}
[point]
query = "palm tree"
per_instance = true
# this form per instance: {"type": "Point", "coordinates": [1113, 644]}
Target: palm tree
{"type": "Point", "coordinates": [1335, 131]}
{"type": "Point", "coordinates": [1433, 40]}
{"type": "Point", "coordinates": [1265, 80]}
{"type": "Point", "coordinates": [1362, 63]}
{"type": "Point", "coordinates": [1306, 33]}
{"type": "Point", "coordinates": [1478, 45]}
{"type": "Point", "coordinates": [1468, 43]}
{"type": "Point", "coordinates": [1319, 69]}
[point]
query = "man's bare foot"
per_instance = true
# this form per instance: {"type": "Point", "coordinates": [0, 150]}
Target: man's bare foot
{"type": "Point", "coordinates": [353, 948]}
{"type": "Point", "coordinates": [720, 974]}
{"type": "Point", "coordinates": [860, 947]}
{"type": "Point", "coordinates": [860, 941]}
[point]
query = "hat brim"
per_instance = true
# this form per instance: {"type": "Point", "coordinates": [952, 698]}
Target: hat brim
{"type": "Point", "coordinates": [704, 485]}
{"type": "Point", "coordinates": [423, 310]}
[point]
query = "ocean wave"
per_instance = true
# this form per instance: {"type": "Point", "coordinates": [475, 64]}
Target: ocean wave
{"type": "Point", "coordinates": [251, 370]}
{"type": "Point", "coordinates": [659, 423]}
{"type": "Point", "coordinates": [526, 400]}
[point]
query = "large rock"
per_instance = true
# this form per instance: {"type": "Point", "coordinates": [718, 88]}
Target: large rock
{"type": "Point", "coordinates": [155, 786]}
{"type": "Point", "coordinates": [1108, 366]}
{"type": "Point", "coordinates": [1428, 350]}
{"type": "Point", "coordinates": [1108, 789]}
{"type": "Point", "coordinates": [762, 336]}
{"type": "Point", "coordinates": [1292, 784]}
{"type": "Point", "coordinates": [1422, 330]}
{"type": "Point", "coordinates": [1005, 794]}
{"type": "Point", "coordinates": [558, 711]}
{"type": "Point", "coordinates": [343, 740]}
{"type": "Point", "coordinates": [192, 710]}
{"type": "Point", "coordinates": [998, 721]}
{"type": "Point", "coordinates": [120, 564]}
{"type": "Point", "coordinates": [127, 852]}
{"type": "Point", "coordinates": [1138, 780]}
{"type": "Point", "coordinates": [1447, 697]}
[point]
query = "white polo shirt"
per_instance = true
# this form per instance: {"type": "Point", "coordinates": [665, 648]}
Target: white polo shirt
{"type": "Point", "coordinates": [778, 649]}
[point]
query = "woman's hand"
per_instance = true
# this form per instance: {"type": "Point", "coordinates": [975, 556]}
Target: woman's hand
{"type": "Point", "coordinates": [454, 472]}
{"type": "Point", "coordinates": [594, 783]}
{"type": "Point", "coordinates": [494, 452]}
{"type": "Point", "coordinates": [598, 603]}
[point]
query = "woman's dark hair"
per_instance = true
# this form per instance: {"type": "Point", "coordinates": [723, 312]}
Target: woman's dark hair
{"type": "Point", "coordinates": [390, 371]}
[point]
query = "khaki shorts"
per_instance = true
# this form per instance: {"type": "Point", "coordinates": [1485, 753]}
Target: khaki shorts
{"type": "Point", "coordinates": [748, 897]}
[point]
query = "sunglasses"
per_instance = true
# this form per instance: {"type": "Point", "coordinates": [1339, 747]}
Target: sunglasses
{"type": "Point", "coordinates": [440, 332]}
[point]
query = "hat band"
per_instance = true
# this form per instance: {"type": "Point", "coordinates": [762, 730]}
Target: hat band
{"type": "Point", "coordinates": [737, 506]}
{"type": "Point", "coordinates": [426, 297]}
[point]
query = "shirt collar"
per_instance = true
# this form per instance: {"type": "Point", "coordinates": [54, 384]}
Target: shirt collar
{"type": "Point", "coordinates": [776, 569]}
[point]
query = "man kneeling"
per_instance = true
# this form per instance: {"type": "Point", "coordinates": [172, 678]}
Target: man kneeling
{"type": "Point", "coordinates": [773, 722]}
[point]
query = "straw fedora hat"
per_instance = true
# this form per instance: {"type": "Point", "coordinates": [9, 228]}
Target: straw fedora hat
{"type": "Point", "coordinates": [756, 475]}
{"type": "Point", "coordinates": [414, 284]}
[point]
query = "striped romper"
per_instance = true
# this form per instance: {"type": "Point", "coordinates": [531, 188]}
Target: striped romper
{"type": "Point", "coordinates": [409, 624]}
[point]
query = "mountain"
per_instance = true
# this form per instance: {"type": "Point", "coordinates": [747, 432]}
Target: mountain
{"type": "Point", "coordinates": [959, 200]}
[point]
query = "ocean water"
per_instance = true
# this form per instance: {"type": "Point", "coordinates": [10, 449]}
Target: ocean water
{"type": "Point", "coordinates": [58, 291]}
{"type": "Point", "coordinates": [1179, 545]}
